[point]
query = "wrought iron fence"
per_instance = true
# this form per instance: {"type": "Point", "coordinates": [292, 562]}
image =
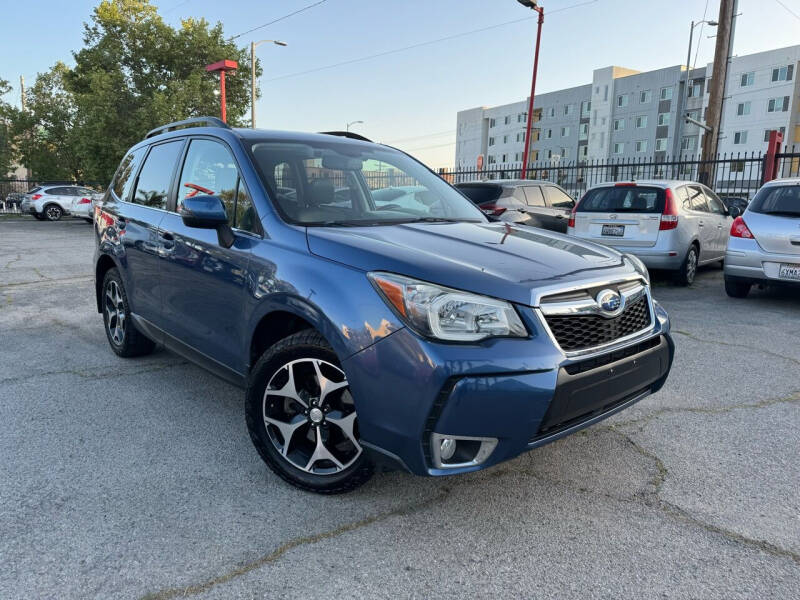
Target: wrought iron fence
{"type": "Point", "coordinates": [730, 175]}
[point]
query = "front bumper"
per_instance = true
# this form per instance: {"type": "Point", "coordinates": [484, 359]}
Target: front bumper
{"type": "Point", "coordinates": [523, 393]}
{"type": "Point", "coordinates": [745, 259]}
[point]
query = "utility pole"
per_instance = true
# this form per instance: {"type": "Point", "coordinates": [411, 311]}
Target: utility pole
{"type": "Point", "coordinates": [532, 4]}
{"type": "Point", "coordinates": [22, 92]}
{"type": "Point", "coordinates": [719, 77]}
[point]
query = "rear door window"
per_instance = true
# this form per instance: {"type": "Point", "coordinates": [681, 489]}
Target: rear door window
{"type": "Point", "coordinates": [714, 203]}
{"type": "Point", "coordinates": [481, 194]}
{"type": "Point", "coordinates": [155, 178]}
{"type": "Point", "coordinates": [556, 198]}
{"type": "Point", "coordinates": [620, 199]}
{"type": "Point", "coordinates": [534, 195]}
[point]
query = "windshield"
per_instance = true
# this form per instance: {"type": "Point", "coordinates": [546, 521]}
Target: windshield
{"type": "Point", "coordinates": [340, 183]}
{"type": "Point", "coordinates": [481, 193]}
{"type": "Point", "coordinates": [634, 199]}
{"type": "Point", "coordinates": [782, 200]}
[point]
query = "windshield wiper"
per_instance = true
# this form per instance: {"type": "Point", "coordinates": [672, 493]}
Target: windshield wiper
{"type": "Point", "coordinates": [439, 220]}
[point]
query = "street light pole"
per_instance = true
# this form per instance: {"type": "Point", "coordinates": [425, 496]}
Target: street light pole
{"type": "Point", "coordinates": [686, 90]}
{"type": "Point", "coordinates": [347, 128]}
{"type": "Point", "coordinates": [531, 4]}
{"type": "Point", "coordinates": [253, 46]}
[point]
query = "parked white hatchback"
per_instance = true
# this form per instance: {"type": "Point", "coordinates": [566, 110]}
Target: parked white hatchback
{"type": "Point", "coordinates": [764, 246]}
{"type": "Point", "coordinates": [668, 224]}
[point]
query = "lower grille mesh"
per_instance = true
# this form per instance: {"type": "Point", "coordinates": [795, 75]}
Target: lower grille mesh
{"type": "Point", "coordinates": [587, 331]}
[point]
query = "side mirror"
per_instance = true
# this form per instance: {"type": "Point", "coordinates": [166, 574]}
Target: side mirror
{"type": "Point", "coordinates": [734, 211]}
{"type": "Point", "coordinates": [207, 212]}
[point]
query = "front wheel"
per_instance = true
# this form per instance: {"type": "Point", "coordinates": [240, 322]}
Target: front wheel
{"type": "Point", "coordinates": [53, 212]}
{"type": "Point", "coordinates": [302, 417]}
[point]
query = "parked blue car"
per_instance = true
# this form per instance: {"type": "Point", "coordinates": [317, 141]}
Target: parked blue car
{"type": "Point", "coordinates": [418, 334]}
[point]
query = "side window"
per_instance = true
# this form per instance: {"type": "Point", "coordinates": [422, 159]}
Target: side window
{"type": "Point", "coordinates": [534, 195]}
{"type": "Point", "coordinates": [210, 169]}
{"type": "Point", "coordinates": [698, 199]}
{"type": "Point", "coordinates": [558, 199]}
{"type": "Point", "coordinates": [55, 192]}
{"type": "Point", "coordinates": [683, 196]}
{"type": "Point", "coordinates": [714, 203]}
{"type": "Point", "coordinates": [155, 178]}
{"type": "Point", "coordinates": [123, 179]}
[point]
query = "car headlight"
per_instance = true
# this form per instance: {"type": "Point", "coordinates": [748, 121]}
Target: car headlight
{"type": "Point", "coordinates": [447, 314]}
{"type": "Point", "coordinates": [639, 266]}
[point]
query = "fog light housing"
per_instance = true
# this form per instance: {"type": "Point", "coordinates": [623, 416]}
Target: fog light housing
{"type": "Point", "coordinates": [459, 451]}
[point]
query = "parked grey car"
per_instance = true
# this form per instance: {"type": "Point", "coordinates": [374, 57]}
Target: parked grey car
{"type": "Point", "coordinates": [51, 202]}
{"type": "Point", "coordinates": [672, 225]}
{"type": "Point", "coordinates": [525, 201]}
{"type": "Point", "coordinates": [764, 245]}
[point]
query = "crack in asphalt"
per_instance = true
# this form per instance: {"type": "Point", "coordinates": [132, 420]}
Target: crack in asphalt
{"type": "Point", "coordinates": [12, 261]}
{"type": "Point", "coordinates": [45, 281]}
{"type": "Point", "coordinates": [94, 375]}
{"type": "Point", "coordinates": [735, 345]}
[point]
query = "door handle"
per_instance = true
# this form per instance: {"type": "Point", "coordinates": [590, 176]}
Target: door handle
{"type": "Point", "coordinates": [167, 240]}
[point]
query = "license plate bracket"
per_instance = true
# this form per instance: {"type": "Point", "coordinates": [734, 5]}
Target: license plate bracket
{"type": "Point", "coordinates": [613, 230]}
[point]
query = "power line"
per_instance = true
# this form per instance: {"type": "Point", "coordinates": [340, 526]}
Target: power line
{"type": "Point", "coordinates": [421, 44]}
{"type": "Point", "coordinates": [789, 10]}
{"type": "Point", "coordinates": [291, 14]}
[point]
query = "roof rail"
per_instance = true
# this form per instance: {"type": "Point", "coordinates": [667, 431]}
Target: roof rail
{"type": "Point", "coordinates": [207, 121]}
{"type": "Point", "coordinates": [347, 134]}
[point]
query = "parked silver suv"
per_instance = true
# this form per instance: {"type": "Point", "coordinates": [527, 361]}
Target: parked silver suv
{"type": "Point", "coordinates": [764, 245]}
{"type": "Point", "coordinates": [673, 225]}
{"type": "Point", "coordinates": [51, 202]}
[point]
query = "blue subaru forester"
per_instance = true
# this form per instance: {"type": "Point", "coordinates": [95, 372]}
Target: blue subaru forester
{"type": "Point", "coordinates": [372, 313]}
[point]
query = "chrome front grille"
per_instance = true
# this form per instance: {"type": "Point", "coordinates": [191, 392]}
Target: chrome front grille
{"type": "Point", "coordinates": [579, 323]}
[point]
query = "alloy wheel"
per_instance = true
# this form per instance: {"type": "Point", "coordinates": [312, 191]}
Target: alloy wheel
{"type": "Point", "coordinates": [53, 213]}
{"type": "Point", "coordinates": [115, 313]}
{"type": "Point", "coordinates": [691, 265]}
{"type": "Point", "coordinates": [310, 416]}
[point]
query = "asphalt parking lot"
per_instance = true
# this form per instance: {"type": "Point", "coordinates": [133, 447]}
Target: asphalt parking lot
{"type": "Point", "coordinates": [137, 479]}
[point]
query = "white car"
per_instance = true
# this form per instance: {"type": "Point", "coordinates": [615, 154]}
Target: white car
{"type": "Point", "coordinates": [668, 224]}
{"type": "Point", "coordinates": [51, 202]}
{"type": "Point", "coordinates": [764, 246]}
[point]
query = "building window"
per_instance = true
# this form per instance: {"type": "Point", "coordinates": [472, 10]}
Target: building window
{"type": "Point", "coordinates": [740, 137]}
{"type": "Point", "coordinates": [586, 109]}
{"type": "Point", "coordinates": [644, 97]}
{"type": "Point", "coordinates": [551, 112]}
{"type": "Point", "coordinates": [522, 117]}
{"type": "Point", "coordinates": [619, 124]}
{"type": "Point", "coordinates": [663, 118]}
{"type": "Point", "coordinates": [768, 131]}
{"type": "Point", "coordinates": [661, 144]}
{"type": "Point", "coordinates": [492, 123]}
{"type": "Point", "coordinates": [504, 158]}
{"type": "Point", "coordinates": [694, 90]}
{"type": "Point", "coordinates": [565, 131]}
{"type": "Point", "coordinates": [737, 166]}
{"type": "Point", "coordinates": [666, 93]}
{"type": "Point", "coordinates": [517, 156]}
{"type": "Point", "coordinates": [564, 153]}
{"type": "Point", "coordinates": [491, 141]}
{"type": "Point", "coordinates": [569, 109]}
{"type": "Point", "coordinates": [491, 159]}
{"type": "Point", "coordinates": [549, 154]}
{"type": "Point", "coordinates": [622, 101]}
{"type": "Point", "coordinates": [505, 139]}
{"type": "Point", "coordinates": [619, 147]}
{"type": "Point", "coordinates": [641, 121]}
{"type": "Point", "coordinates": [641, 146]}
{"type": "Point", "coordinates": [583, 131]}
{"type": "Point", "coordinates": [747, 79]}
{"type": "Point", "coordinates": [778, 104]}
{"type": "Point", "coordinates": [507, 120]}
{"type": "Point", "coordinates": [548, 133]}
{"type": "Point", "coordinates": [689, 142]}
{"type": "Point", "coordinates": [584, 151]}
{"type": "Point", "coordinates": [743, 108]}
{"type": "Point", "coordinates": [605, 93]}
{"type": "Point", "coordinates": [694, 114]}
{"type": "Point", "coordinates": [783, 73]}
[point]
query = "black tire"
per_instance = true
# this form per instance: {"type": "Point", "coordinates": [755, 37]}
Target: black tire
{"type": "Point", "coordinates": [38, 217]}
{"type": "Point", "coordinates": [737, 288]}
{"type": "Point", "coordinates": [300, 347]}
{"type": "Point", "coordinates": [53, 212]}
{"type": "Point", "coordinates": [132, 342]}
{"type": "Point", "coordinates": [688, 269]}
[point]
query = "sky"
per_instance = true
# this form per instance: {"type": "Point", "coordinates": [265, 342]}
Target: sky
{"type": "Point", "coordinates": [410, 98]}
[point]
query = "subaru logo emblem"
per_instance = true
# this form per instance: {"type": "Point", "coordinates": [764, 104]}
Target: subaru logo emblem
{"type": "Point", "coordinates": [609, 302]}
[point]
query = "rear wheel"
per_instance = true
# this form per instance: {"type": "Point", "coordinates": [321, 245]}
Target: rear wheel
{"type": "Point", "coordinates": [737, 288]}
{"type": "Point", "coordinates": [302, 417]}
{"type": "Point", "coordinates": [687, 271]}
{"type": "Point", "coordinates": [124, 338]}
{"type": "Point", "coordinates": [53, 212]}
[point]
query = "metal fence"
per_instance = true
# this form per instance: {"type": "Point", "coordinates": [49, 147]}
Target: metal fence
{"type": "Point", "coordinates": [730, 175]}
{"type": "Point", "coordinates": [11, 190]}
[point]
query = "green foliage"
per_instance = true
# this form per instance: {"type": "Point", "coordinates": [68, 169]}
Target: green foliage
{"type": "Point", "coordinates": [135, 72]}
{"type": "Point", "coordinates": [6, 116]}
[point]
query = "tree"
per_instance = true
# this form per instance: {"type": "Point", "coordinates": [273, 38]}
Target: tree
{"type": "Point", "coordinates": [136, 72]}
{"type": "Point", "coordinates": [46, 134]}
{"type": "Point", "coordinates": [6, 116]}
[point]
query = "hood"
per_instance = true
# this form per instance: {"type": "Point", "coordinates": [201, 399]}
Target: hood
{"type": "Point", "coordinates": [501, 260]}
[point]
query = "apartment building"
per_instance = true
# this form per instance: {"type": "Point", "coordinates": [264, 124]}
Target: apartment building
{"type": "Point", "coordinates": [626, 114]}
